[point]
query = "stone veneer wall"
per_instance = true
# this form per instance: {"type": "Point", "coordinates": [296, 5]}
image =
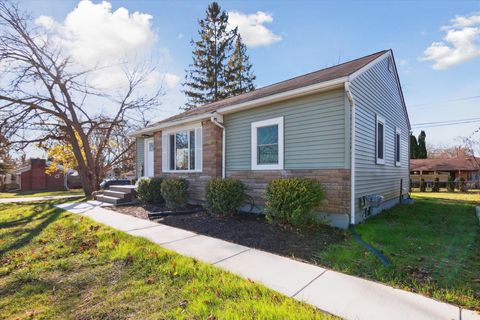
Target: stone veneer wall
{"type": "Point", "coordinates": [336, 183]}
{"type": "Point", "coordinates": [212, 161]}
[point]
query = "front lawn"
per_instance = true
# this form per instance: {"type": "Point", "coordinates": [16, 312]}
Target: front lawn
{"type": "Point", "coordinates": [56, 265]}
{"type": "Point", "coordinates": [23, 194]}
{"type": "Point", "coordinates": [433, 244]}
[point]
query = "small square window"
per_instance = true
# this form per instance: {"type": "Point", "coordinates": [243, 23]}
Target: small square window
{"type": "Point", "coordinates": [267, 144]}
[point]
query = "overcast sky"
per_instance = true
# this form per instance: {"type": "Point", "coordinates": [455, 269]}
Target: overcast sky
{"type": "Point", "coordinates": [436, 45]}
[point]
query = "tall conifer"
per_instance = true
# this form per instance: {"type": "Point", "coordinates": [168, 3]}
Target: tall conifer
{"type": "Point", "coordinates": [205, 80]}
{"type": "Point", "coordinates": [239, 75]}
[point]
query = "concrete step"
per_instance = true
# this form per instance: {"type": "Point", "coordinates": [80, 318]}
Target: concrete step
{"type": "Point", "coordinates": [117, 194]}
{"type": "Point", "coordinates": [125, 189]}
{"type": "Point", "coordinates": [112, 200]}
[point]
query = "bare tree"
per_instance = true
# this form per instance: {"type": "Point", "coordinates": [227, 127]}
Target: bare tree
{"type": "Point", "coordinates": [46, 96]}
{"type": "Point", "coordinates": [447, 152]}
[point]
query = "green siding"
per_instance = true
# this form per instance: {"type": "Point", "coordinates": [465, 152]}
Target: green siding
{"type": "Point", "coordinates": [314, 132]}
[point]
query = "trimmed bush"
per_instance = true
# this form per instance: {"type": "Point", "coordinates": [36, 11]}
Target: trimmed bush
{"type": "Point", "coordinates": [451, 184]}
{"type": "Point", "coordinates": [174, 191]}
{"type": "Point", "coordinates": [148, 190]}
{"type": "Point", "coordinates": [224, 196]}
{"type": "Point", "coordinates": [423, 185]}
{"type": "Point", "coordinates": [436, 185]}
{"type": "Point", "coordinates": [292, 200]}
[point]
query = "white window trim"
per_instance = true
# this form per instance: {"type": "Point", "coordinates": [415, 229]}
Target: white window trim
{"type": "Point", "coordinates": [258, 124]}
{"type": "Point", "coordinates": [146, 141]}
{"type": "Point", "coordinates": [398, 132]}
{"type": "Point", "coordinates": [175, 130]}
{"type": "Point", "coordinates": [381, 120]}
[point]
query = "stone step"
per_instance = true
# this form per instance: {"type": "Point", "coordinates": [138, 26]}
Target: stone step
{"type": "Point", "coordinates": [125, 189]}
{"type": "Point", "coordinates": [112, 200]}
{"type": "Point", "coordinates": [118, 194]}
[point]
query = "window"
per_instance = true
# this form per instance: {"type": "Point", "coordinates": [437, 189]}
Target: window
{"type": "Point", "coordinates": [380, 143]}
{"type": "Point", "coordinates": [267, 144]}
{"type": "Point", "coordinates": [398, 134]}
{"type": "Point", "coordinates": [182, 150]}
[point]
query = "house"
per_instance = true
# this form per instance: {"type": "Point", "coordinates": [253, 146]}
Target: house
{"type": "Point", "coordinates": [33, 177]}
{"type": "Point", "coordinates": [467, 168]}
{"type": "Point", "coordinates": [346, 126]}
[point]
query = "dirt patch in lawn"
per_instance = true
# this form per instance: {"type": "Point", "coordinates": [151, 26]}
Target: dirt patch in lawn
{"type": "Point", "coordinates": [251, 231]}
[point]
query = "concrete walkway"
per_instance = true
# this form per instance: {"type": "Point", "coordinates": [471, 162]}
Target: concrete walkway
{"type": "Point", "coordinates": [339, 294]}
{"type": "Point", "coordinates": [30, 199]}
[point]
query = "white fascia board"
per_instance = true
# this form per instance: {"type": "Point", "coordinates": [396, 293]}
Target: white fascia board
{"type": "Point", "coordinates": [388, 54]}
{"type": "Point", "coordinates": [182, 122]}
{"type": "Point", "coordinates": [369, 65]}
{"type": "Point", "coordinates": [319, 87]}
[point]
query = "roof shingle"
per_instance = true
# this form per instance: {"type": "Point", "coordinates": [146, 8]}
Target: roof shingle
{"type": "Point", "coordinates": [327, 74]}
{"type": "Point", "coordinates": [448, 164]}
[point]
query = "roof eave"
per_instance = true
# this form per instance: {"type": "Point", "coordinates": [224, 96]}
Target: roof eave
{"type": "Point", "coordinates": [311, 89]}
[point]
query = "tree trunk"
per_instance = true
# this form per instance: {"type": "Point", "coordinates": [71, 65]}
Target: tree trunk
{"type": "Point", "coordinates": [86, 183]}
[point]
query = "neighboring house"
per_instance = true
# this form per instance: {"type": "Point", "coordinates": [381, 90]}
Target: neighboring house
{"type": "Point", "coordinates": [33, 177]}
{"type": "Point", "coordinates": [457, 168]}
{"type": "Point", "coordinates": [299, 127]}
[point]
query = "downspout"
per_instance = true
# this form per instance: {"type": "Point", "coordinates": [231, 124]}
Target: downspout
{"type": "Point", "coordinates": [352, 152]}
{"type": "Point", "coordinates": [213, 118]}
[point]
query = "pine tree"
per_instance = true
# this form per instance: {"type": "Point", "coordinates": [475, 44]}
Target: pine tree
{"type": "Point", "coordinates": [413, 147]}
{"type": "Point", "coordinates": [422, 147]}
{"type": "Point", "coordinates": [205, 80]}
{"type": "Point", "coordinates": [239, 75]}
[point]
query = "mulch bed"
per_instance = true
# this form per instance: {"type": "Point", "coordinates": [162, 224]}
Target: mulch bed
{"type": "Point", "coordinates": [251, 231]}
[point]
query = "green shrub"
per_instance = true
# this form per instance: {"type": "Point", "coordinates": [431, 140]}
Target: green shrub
{"type": "Point", "coordinates": [423, 185]}
{"type": "Point", "coordinates": [174, 191]}
{"type": "Point", "coordinates": [451, 184]}
{"type": "Point", "coordinates": [292, 200]}
{"type": "Point", "coordinates": [148, 190]}
{"type": "Point", "coordinates": [436, 185]}
{"type": "Point", "coordinates": [224, 196]}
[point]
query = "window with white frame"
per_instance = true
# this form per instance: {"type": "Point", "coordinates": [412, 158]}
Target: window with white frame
{"type": "Point", "coordinates": [398, 136]}
{"type": "Point", "coordinates": [182, 150]}
{"type": "Point", "coordinates": [380, 140]}
{"type": "Point", "coordinates": [267, 144]}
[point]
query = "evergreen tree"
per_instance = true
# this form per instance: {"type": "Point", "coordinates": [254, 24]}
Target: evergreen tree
{"type": "Point", "coordinates": [422, 147]}
{"type": "Point", "coordinates": [238, 74]}
{"type": "Point", "coordinates": [205, 80]}
{"type": "Point", "coordinates": [413, 147]}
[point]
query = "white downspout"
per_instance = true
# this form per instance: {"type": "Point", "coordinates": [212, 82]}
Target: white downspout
{"type": "Point", "coordinates": [352, 152]}
{"type": "Point", "coordinates": [215, 121]}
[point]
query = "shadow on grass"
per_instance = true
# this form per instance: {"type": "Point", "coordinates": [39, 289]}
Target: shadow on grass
{"type": "Point", "coordinates": [51, 215]}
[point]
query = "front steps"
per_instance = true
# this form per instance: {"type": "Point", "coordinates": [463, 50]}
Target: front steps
{"type": "Point", "coordinates": [117, 195]}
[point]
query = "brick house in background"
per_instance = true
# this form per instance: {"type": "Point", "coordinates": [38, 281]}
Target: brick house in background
{"type": "Point", "coordinates": [346, 126]}
{"type": "Point", "coordinates": [33, 177]}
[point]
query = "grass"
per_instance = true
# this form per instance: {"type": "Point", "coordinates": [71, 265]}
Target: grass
{"type": "Point", "coordinates": [472, 196]}
{"type": "Point", "coordinates": [23, 194]}
{"type": "Point", "coordinates": [433, 244]}
{"type": "Point", "coordinates": [56, 265]}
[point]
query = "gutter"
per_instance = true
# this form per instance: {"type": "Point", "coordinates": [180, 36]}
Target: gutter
{"type": "Point", "coordinates": [318, 87]}
{"type": "Point", "coordinates": [352, 151]}
{"type": "Point", "coordinates": [214, 119]}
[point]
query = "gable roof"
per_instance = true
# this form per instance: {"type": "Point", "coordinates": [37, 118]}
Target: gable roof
{"type": "Point", "coordinates": [447, 164]}
{"type": "Point", "coordinates": [339, 71]}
